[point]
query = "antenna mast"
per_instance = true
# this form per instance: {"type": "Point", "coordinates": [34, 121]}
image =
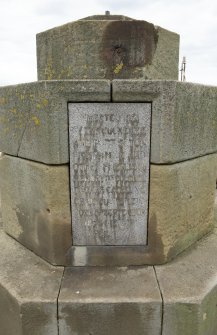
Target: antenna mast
{"type": "Point", "coordinates": [183, 69]}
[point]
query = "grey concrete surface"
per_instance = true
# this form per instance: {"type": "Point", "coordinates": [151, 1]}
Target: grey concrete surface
{"type": "Point", "coordinates": [184, 116]}
{"type": "Point", "coordinates": [107, 49]}
{"type": "Point", "coordinates": [104, 301]}
{"type": "Point", "coordinates": [28, 291]}
{"type": "Point", "coordinates": [189, 289]}
{"type": "Point", "coordinates": [36, 206]}
{"type": "Point", "coordinates": [34, 116]}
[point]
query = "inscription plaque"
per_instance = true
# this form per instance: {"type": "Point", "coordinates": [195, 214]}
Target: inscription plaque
{"type": "Point", "coordinates": [109, 172]}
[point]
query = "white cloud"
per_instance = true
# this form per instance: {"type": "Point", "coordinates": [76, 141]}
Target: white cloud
{"type": "Point", "coordinates": [20, 20]}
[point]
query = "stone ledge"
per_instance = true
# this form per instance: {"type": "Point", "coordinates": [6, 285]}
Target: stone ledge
{"type": "Point", "coordinates": [108, 300]}
{"type": "Point", "coordinates": [34, 120]}
{"type": "Point", "coordinates": [104, 301]}
{"type": "Point", "coordinates": [189, 290]}
{"type": "Point", "coordinates": [29, 289]}
{"type": "Point", "coordinates": [34, 116]}
{"type": "Point", "coordinates": [184, 116]}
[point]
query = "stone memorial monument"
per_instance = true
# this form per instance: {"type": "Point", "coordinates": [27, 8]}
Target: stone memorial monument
{"type": "Point", "coordinates": [108, 187]}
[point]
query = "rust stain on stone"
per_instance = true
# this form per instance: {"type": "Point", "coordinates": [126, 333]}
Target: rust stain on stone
{"type": "Point", "coordinates": [129, 43]}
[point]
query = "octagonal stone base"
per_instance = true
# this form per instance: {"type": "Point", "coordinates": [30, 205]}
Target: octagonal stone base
{"type": "Point", "coordinates": [173, 299]}
{"type": "Point", "coordinates": [29, 289]}
{"type": "Point", "coordinates": [36, 211]}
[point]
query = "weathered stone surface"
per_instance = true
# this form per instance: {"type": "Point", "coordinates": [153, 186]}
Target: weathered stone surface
{"type": "Point", "coordinates": [106, 49]}
{"type": "Point", "coordinates": [29, 289]}
{"type": "Point", "coordinates": [34, 117]}
{"type": "Point", "coordinates": [1, 223]}
{"type": "Point", "coordinates": [181, 204]}
{"type": "Point", "coordinates": [121, 301]}
{"type": "Point", "coordinates": [36, 206]}
{"type": "Point", "coordinates": [215, 209]}
{"type": "Point", "coordinates": [109, 169]}
{"type": "Point", "coordinates": [34, 122]}
{"type": "Point", "coordinates": [189, 290]}
{"type": "Point", "coordinates": [109, 17]}
{"type": "Point", "coordinates": [184, 117]}
{"type": "Point", "coordinates": [181, 211]}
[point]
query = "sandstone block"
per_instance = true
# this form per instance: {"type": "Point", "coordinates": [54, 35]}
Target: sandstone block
{"type": "Point", "coordinates": [34, 117]}
{"type": "Point", "coordinates": [182, 202]}
{"type": "Point", "coordinates": [184, 117]}
{"type": "Point", "coordinates": [107, 47]}
{"type": "Point", "coordinates": [28, 291]}
{"type": "Point", "coordinates": [36, 206]}
{"type": "Point", "coordinates": [189, 290]}
{"type": "Point", "coordinates": [121, 301]}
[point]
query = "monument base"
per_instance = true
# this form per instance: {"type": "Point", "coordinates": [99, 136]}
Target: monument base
{"type": "Point", "coordinates": [176, 298]}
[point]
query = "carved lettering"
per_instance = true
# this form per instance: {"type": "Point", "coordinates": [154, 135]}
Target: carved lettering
{"type": "Point", "coordinates": [109, 159]}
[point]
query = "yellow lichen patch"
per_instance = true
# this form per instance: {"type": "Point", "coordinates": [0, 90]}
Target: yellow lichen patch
{"type": "Point", "coordinates": [22, 97]}
{"type": "Point", "coordinates": [36, 120]}
{"type": "Point", "coordinates": [3, 119]}
{"type": "Point", "coordinates": [44, 102]}
{"type": "Point", "coordinates": [69, 71]}
{"type": "Point", "coordinates": [3, 101]}
{"type": "Point", "coordinates": [65, 73]}
{"type": "Point", "coordinates": [38, 106]}
{"type": "Point", "coordinates": [13, 110]}
{"type": "Point", "coordinates": [118, 68]}
{"type": "Point", "coordinates": [49, 72]}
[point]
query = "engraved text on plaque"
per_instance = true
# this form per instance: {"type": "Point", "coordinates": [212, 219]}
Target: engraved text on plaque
{"type": "Point", "coordinates": [109, 169]}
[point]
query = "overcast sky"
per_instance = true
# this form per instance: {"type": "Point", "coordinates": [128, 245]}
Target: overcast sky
{"type": "Point", "coordinates": [20, 20]}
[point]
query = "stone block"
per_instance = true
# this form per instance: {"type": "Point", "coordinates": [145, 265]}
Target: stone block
{"type": "Point", "coordinates": [36, 206]}
{"type": "Point", "coordinates": [184, 117]}
{"type": "Point", "coordinates": [181, 204]}
{"type": "Point", "coordinates": [108, 48]}
{"type": "Point", "coordinates": [29, 289]}
{"type": "Point", "coordinates": [34, 117]}
{"type": "Point", "coordinates": [189, 290]}
{"type": "Point", "coordinates": [121, 301]}
{"type": "Point", "coordinates": [215, 210]}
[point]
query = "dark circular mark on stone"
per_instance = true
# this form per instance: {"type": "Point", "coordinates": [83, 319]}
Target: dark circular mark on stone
{"type": "Point", "coordinates": [127, 46]}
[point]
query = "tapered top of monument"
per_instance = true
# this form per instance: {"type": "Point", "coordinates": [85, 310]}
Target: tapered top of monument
{"type": "Point", "coordinates": [108, 16]}
{"type": "Point", "coordinates": [108, 47]}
